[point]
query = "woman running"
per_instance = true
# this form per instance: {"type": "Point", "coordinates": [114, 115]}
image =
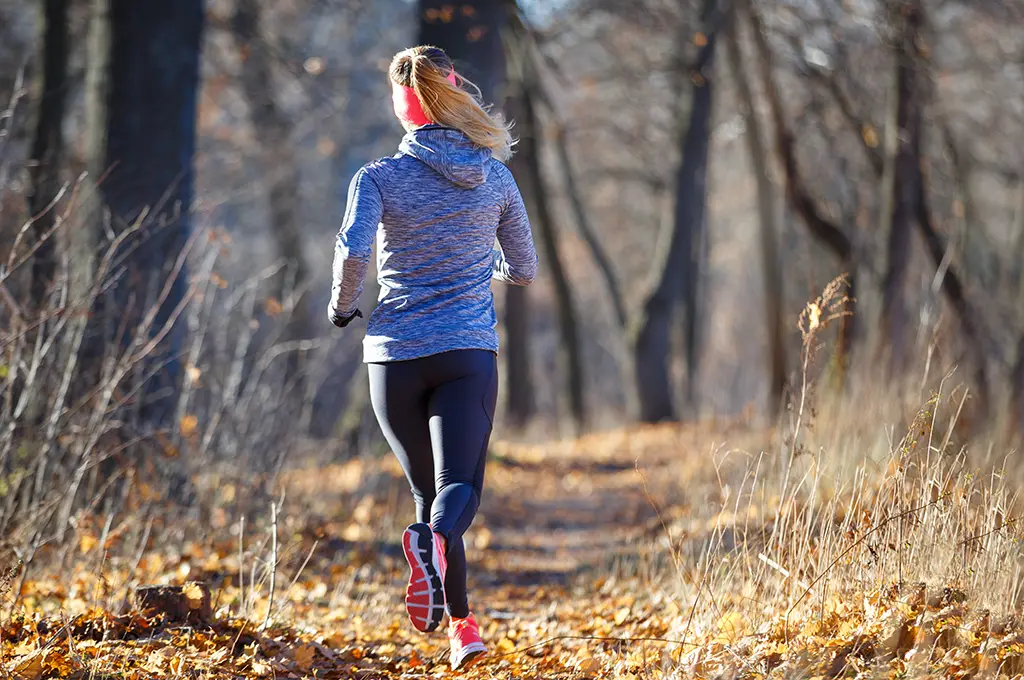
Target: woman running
{"type": "Point", "coordinates": [436, 208]}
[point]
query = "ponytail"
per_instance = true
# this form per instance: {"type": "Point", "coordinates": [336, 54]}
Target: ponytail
{"type": "Point", "coordinates": [427, 71]}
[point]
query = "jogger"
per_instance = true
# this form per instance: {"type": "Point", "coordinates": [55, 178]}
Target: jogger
{"type": "Point", "coordinates": [448, 219]}
{"type": "Point", "coordinates": [436, 413]}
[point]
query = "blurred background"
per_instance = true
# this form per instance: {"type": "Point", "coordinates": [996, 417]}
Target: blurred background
{"type": "Point", "coordinates": [172, 179]}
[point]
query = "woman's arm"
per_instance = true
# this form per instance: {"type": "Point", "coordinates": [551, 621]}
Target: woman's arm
{"type": "Point", "coordinates": [354, 247]}
{"type": "Point", "coordinates": [515, 260]}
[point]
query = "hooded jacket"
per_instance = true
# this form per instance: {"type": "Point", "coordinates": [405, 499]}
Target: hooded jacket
{"type": "Point", "coordinates": [447, 218]}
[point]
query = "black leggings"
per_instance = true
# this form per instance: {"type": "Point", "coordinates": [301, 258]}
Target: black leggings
{"type": "Point", "coordinates": [437, 413]}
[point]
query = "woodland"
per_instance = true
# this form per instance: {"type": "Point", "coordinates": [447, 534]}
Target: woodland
{"type": "Point", "coordinates": [759, 415]}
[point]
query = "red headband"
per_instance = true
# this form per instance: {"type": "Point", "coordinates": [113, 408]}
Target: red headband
{"type": "Point", "coordinates": [407, 104]}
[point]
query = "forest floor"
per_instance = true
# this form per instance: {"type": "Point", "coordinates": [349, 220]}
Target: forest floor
{"type": "Point", "coordinates": [603, 558]}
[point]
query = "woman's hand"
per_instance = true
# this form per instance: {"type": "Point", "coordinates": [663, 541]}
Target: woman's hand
{"type": "Point", "coordinates": [340, 320]}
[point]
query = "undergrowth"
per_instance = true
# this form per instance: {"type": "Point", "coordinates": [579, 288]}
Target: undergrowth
{"type": "Point", "coordinates": [829, 556]}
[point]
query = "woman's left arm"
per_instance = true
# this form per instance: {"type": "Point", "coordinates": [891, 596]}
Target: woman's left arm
{"type": "Point", "coordinates": [354, 247]}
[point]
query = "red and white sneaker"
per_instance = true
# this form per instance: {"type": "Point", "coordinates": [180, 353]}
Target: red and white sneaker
{"type": "Point", "coordinates": [424, 598]}
{"type": "Point", "coordinates": [467, 647]}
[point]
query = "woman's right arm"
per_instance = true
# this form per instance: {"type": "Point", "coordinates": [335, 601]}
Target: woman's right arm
{"type": "Point", "coordinates": [354, 246]}
{"type": "Point", "coordinates": [515, 260]}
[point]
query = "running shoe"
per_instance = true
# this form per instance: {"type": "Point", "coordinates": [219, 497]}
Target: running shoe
{"type": "Point", "coordinates": [467, 647]}
{"type": "Point", "coordinates": [424, 598]}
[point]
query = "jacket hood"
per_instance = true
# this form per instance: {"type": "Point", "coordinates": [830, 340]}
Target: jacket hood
{"type": "Point", "coordinates": [448, 152]}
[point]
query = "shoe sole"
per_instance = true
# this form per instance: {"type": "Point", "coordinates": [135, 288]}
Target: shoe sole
{"type": "Point", "coordinates": [471, 658]}
{"type": "Point", "coordinates": [424, 597]}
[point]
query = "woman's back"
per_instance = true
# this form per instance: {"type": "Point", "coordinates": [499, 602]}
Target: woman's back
{"type": "Point", "coordinates": [435, 208]}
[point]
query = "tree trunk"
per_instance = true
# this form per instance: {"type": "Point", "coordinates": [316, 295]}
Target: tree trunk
{"type": "Point", "coordinates": [963, 212]}
{"type": "Point", "coordinates": [797, 195]}
{"type": "Point", "coordinates": [1018, 232]}
{"type": "Point", "coordinates": [570, 360]}
{"type": "Point", "coordinates": [597, 251]}
{"type": "Point", "coordinates": [83, 238]}
{"type": "Point", "coordinates": [603, 262]}
{"type": "Point", "coordinates": [277, 149]}
{"type": "Point", "coordinates": [520, 402]}
{"type": "Point", "coordinates": [141, 125]}
{"type": "Point", "coordinates": [798, 198]}
{"type": "Point", "coordinates": [977, 340]}
{"type": "Point", "coordinates": [768, 228]}
{"type": "Point", "coordinates": [675, 282]}
{"type": "Point", "coordinates": [1017, 389]}
{"type": "Point", "coordinates": [903, 132]}
{"type": "Point", "coordinates": [694, 309]}
{"type": "Point", "coordinates": [471, 34]}
{"type": "Point", "coordinates": [48, 146]}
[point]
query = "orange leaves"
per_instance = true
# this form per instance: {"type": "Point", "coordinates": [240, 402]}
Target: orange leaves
{"type": "Point", "coordinates": [444, 14]}
{"type": "Point", "coordinates": [448, 13]}
{"type": "Point", "coordinates": [482, 537]}
{"type": "Point", "coordinates": [303, 657]}
{"type": "Point", "coordinates": [194, 594]}
{"type": "Point", "coordinates": [476, 33]}
{"type": "Point", "coordinates": [52, 662]}
{"type": "Point", "coordinates": [870, 135]}
{"type": "Point", "coordinates": [341, 615]}
{"type": "Point", "coordinates": [87, 541]}
{"type": "Point", "coordinates": [272, 306]}
{"type": "Point", "coordinates": [505, 645]}
{"type": "Point", "coordinates": [164, 662]}
{"type": "Point", "coordinates": [588, 665]}
{"type": "Point", "coordinates": [188, 425]}
{"type": "Point", "coordinates": [731, 627]}
{"type": "Point", "coordinates": [262, 669]}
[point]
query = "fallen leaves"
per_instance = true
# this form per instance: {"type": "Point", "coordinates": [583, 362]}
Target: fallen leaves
{"type": "Point", "coordinates": [52, 662]}
{"type": "Point", "coordinates": [341, 617]}
{"type": "Point", "coordinates": [262, 669]}
{"type": "Point", "coordinates": [303, 656]}
{"type": "Point", "coordinates": [194, 593]}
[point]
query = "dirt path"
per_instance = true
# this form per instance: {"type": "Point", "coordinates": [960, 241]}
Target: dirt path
{"type": "Point", "coordinates": [546, 521]}
{"type": "Point", "coordinates": [556, 525]}
{"type": "Point", "coordinates": [546, 553]}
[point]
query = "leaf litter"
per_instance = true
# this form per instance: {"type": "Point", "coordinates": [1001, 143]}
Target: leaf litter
{"type": "Point", "coordinates": [589, 574]}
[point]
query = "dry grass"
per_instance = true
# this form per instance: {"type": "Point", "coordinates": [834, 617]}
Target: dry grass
{"type": "Point", "coordinates": [847, 551]}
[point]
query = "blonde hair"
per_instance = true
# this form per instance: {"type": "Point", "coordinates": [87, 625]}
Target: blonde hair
{"type": "Point", "coordinates": [425, 69]}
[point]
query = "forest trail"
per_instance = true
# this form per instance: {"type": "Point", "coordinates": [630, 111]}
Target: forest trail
{"type": "Point", "coordinates": [624, 556]}
{"type": "Point", "coordinates": [563, 548]}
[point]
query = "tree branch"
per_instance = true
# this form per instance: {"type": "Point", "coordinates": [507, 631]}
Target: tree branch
{"type": "Point", "coordinates": [820, 226]}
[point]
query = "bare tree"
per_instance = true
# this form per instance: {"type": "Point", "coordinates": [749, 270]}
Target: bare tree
{"type": "Point", "coordinates": [142, 78]}
{"type": "Point", "coordinates": [676, 281]}
{"type": "Point", "coordinates": [768, 224]}
{"type": "Point", "coordinates": [798, 195]}
{"type": "Point", "coordinates": [1017, 389]}
{"type": "Point", "coordinates": [48, 145]}
{"type": "Point", "coordinates": [277, 151]}
{"type": "Point", "coordinates": [903, 170]}
{"type": "Point", "coordinates": [529, 151]}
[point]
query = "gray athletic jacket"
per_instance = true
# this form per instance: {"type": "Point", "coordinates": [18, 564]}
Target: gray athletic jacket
{"type": "Point", "coordinates": [435, 208]}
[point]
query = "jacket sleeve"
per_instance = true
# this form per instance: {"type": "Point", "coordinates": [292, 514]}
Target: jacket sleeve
{"type": "Point", "coordinates": [354, 247]}
{"type": "Point", "coordinates": [514, 261]}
